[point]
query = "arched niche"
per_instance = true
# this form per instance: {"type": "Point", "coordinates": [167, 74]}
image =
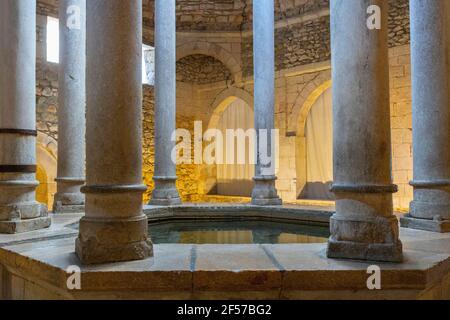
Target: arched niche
{"type": "Point", "coordinates": [301, 143]}
{"type": "Point", "coordinates": [213, 50]}
{"type": "Point", "coordinates": [236, 179]}
{"type": "Point", "coordinates": [220, 104]}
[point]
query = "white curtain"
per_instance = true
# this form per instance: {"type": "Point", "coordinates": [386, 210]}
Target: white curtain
{"type": "Point", "coordinates": [236, 179]}
{"type": "Point", "coordinates": [319, 149]}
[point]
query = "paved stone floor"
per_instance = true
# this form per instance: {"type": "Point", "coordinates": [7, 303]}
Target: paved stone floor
{"type": "Point", "coordinates": [34, 266]}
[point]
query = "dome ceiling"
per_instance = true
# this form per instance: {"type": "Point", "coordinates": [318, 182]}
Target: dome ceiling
{"type": "Point", "coordinates": [227, 15]}
{"type": "Point", "coordinates": [213, 15]}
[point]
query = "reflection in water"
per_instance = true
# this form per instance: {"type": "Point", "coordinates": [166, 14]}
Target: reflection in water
{"type": "Point", "coordinates": [236, 232]}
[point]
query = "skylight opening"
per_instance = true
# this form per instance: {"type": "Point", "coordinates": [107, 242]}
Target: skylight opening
{"type": "Point", "coordinates": [52, 40]}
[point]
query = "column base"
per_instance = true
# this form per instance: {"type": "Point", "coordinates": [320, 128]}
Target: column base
{"type": "Point", "coordinates": [165, 192]}
{"type": "Point", "coordinates": [58, 208]}
{"type": "Point", "coordinates": [434, 225]}
{"type": "Point", "coordinates": [113, 240]}
{"type": "Point", "coordinates": [69, 198]}
{"type": "Point", "coordinates": [21, 211]}
{"type": "Point", "coordinates": [391, 252]}
{"type": "Point", "coordinates": [365, 238]}
{"type": "Point", "coordinates": [430, 210]}
{"type": "Point", "coordinates": [264, 192]}
{"type": "Point", "coordinates": [22, 225]}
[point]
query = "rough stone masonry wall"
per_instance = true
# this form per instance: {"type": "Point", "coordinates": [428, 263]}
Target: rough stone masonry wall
{"type": "Point", "coordinates": [227, 15]}
{"type": "Point", "coordinates": [47, 121]}
{"type": "Point", "coordinates": [47, 99]}
{"type": "Point", "coordinates": [188, 175]}
{"type": "Point", "coordinates": [309, 42]}
{"type": "Point", "coordinates": [46, 85]}
{"type": "Point", "coordinates": [201, 69]}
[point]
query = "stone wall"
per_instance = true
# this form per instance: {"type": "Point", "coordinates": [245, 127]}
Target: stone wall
{"type": "Point", "coordinates": [46, 83]}
{"type": "Point", "coordinates": [47, 7]}
{"type": "Point", "coordinates": [148, 138]}
{"type": "Point", "coordinates": [227, 15]}
{"type": "Point", "coordinates": [401, 123]}
{"type": "Point", "coordinates": [188, 175]}
{"type": "Point", "coordinates": [399, 29]}
{"type": "Point", "coordinates": [296, 91]}
{"type": "Point", "coordinates": [201, 69]}
{"type": "Point", "coordinates": [47, 98]}
{"type": "Point", "coordinates": [309, 42]}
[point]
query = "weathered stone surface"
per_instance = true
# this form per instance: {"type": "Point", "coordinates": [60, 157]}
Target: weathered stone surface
{"type": "Point", "coordinates": [114, 228]}
{"type": "Point", "coordinates": [165, 191]}
{"type": "Point", "coordinates": [309, 42]}
{"type": "Point", "coordinates": [19, 211]}
{"type": "Point", "coordinates": [59, 208]}
{"type": "Point", "coordinates": [72, 108]}
{"type": "Point", "coordinates": [364, 226]}
{"type": "Point", "coordinates": [431, 101]}
{"type": "Point", "coordinates": [47, 105]}
{"type": "Point", "coordinates": [264, 192]}
{"type": "Point", "coordinates": [22, 226]}
{"type": "Point", "coordinates": [242, 271]}
{"type": "Point", "coordinates": [433, 225]}
{"type": "Point", "coordinates": [202, 69]}
{"type": "Point", "coordinates": [113, 241]}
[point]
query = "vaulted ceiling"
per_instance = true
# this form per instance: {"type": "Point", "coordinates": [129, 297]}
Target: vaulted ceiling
{"type": "Point", "coordinates": [213, 15]}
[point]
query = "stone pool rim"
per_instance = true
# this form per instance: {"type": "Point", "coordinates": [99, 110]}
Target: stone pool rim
{"type": "Point", "coordinates": [306, 215]}
{"type": "Point", "coordinates": [36, 264]}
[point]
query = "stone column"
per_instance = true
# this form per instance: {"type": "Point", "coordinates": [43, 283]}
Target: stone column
{"type": "Point", "coordinates": [71, 106]}
{"type": "Point", "coordinates": [430, 209]}
{"type": "Point", "coordinates": [165, 192]}
{"type": "Point", "coordinates": [264, 191]}
{"type": "Point", "coordinates": [364, 226]}
{"type": "Point", "coordinates": [19, 211]}
{"type": "Point", "coordinates": [114, 228]}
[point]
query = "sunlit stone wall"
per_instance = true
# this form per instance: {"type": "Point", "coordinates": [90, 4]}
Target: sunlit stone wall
{"type": "Point", "coordinates": [401, 123]}
{"type": "Point", "coordinates": [188, 182]}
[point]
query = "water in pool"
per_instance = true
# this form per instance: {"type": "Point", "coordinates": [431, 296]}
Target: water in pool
{"type": "Point", "coordinates": [236, 232]}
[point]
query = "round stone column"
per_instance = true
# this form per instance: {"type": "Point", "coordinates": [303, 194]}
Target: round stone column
{"type": "Point", "coordinates": [430, 209]}
{"type": "Point", "coordinates": [114, 227]}
{"type": "Point", "coordinates": [264, 191]}
{"type": "Point", "coordinates": [363, 226]}
{"type": "Point", "coordinates": [19, 211]}
{"type": "Point", "coordinates": [165, 192]}
{"type": "Point", "coordinates": [71, 107]}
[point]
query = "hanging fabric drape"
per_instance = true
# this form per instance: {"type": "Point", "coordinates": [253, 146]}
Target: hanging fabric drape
{"type": "Point", "coordinates": [319, 149]}
{"type": "Point", "coordinates": [236, 179]}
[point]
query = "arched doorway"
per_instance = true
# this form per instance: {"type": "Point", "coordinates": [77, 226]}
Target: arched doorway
{"type": "Point", "coordinates": [236, 179]}
{"type": "Point", "coordinates": [319, 149]}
